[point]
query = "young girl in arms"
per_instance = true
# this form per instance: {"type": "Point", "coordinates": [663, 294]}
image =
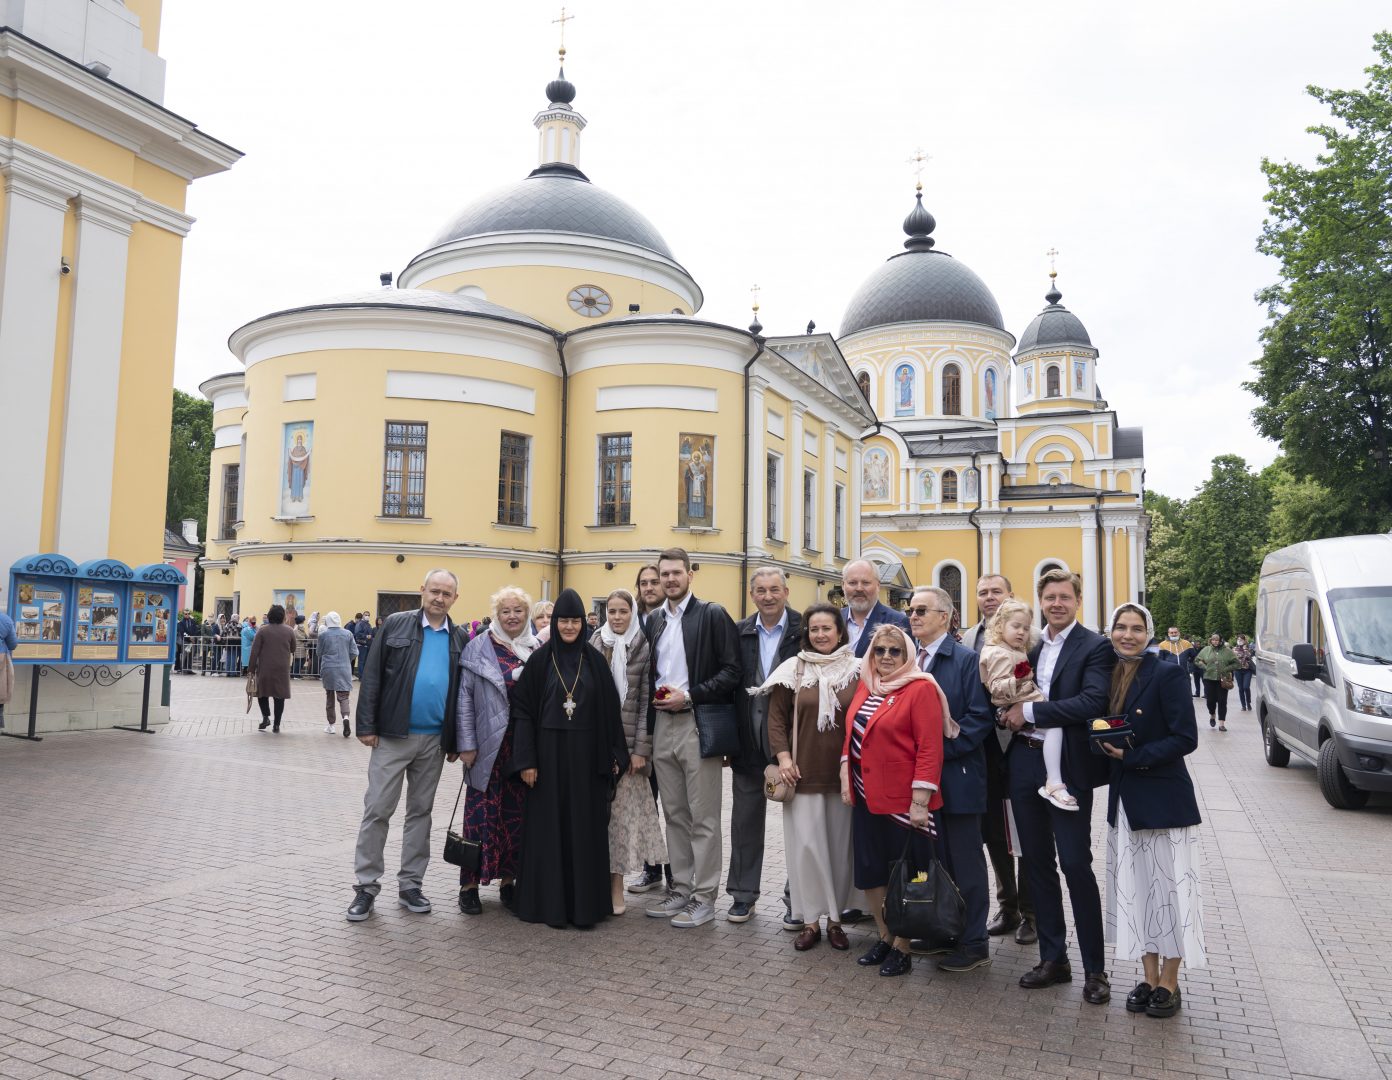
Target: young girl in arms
{"type": "Point", "coordinates": [1009, 679]}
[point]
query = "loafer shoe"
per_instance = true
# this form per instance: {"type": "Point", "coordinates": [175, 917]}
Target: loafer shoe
{"type": "Point", "coordinates": [1163, 1003]}
{"type": "Point", "coordinates": [1097, 990]}
{"type": "Point", "coordinates": [1025, 933]}
{"type": "Point", "coordinates": [875, 955]}
{"type": "Point", "coordinates": [1046, 974]}
{"type": "Point", "coordinates": [671, 904]}
{"type": "Point", "coordinates": [469, 902]}
{"type": "Point", "coordinates": [793, 923]}
{"type": "Point", "coordinates": [836, 938]}
{"type": "Point", "coordinates": [963, 960]}
{"type": "Point", "coordinates": [807, 938]}
{"type": "Point", "coordinates": [896, 963]}
{"type": "Point", "coordinates": [361, 907]}
{"type": "Point", "coordinates": [414, 900]}
{"type": "Point", "coordinates": [1002, 924]}
{"type": "Point", "coordinates": [1139, 998]}
{"type": "Point", "coordinates": [739, 912]}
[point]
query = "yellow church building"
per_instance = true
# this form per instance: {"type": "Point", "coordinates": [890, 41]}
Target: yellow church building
{"type": "Point", "coordinates": [537, 400]}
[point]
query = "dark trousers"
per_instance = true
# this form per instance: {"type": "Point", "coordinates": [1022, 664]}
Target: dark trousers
{"type": "Point", "coordinates": [1215, 697]}
{"type": "Point", "coordinates": [1244, 687]}
{"type": "Point", "coordinates": [1197, 676]}
{"type": "Point", "coordinates": [1048, 834]}
{"type": "Point", "coordinates": [1012, 889]}
{"type": "Point", "coordinates": [966, 861]}
{"type": "Point", "coordinates": [748, 813]}
{"type": "Point", "coordinates": [265, 704]}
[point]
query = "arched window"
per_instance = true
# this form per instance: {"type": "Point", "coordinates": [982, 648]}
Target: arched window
{"type": "Point", "coordinates": [949, 486]}
{"type": "Point", "coordinates": [950, 581]}
{"type": "Point", "coordinates": [863, 380]}
{"type": "Point", "coordinates": [952, 390]}
{"type": "Point", "coordinates": [1051, 382]}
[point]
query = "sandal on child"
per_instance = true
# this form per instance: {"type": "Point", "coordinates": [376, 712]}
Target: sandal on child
{"type": "Point", "coordinates": [1058, 795]}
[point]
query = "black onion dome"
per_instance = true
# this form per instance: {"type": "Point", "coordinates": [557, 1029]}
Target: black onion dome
{"type": "Point", "coordinates": [560, 90]}
{"type": "Point", "coordinates": [1054, 327]}
{"type": "Point", "coordinates": [555, 198]}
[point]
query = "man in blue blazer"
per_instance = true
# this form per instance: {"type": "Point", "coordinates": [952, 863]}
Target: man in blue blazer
{"type": "Point", "coordinates": [863, 611]}
{"type": "Point", "coordinates": [963, 785]}
{"type": "Point", "coordinates": [1073, 667]}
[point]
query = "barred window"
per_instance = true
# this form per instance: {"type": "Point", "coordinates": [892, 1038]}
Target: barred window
{"type": "Point", "coordinates": [512, 479]}
{"type": "Point", "coordinates": [615, 479]}
{"type": "Point", "coordinates": [403, 470]}
{"type": "Point", "coordinates": [231, 485]}
{"type": "Point", "coordinates": [952, 390]}
{"type": "Point", "coordinates": [840, 550]}
{"type": "Point", "coordinates": [771, 496]}
{"type": "Point", "coordinates": [809, 509]}
{"type": "Point", "coordinates": [949, 486]}
{"type": "Point", "coordinates": [1051, 382]}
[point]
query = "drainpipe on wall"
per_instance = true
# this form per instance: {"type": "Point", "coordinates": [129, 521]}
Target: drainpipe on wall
{"type": "Point", "coordinates": [565, 433]}
{"type": "Point", "coordinates": [744, 510]}
{"type": "Point", "coordinates": [971, 516]}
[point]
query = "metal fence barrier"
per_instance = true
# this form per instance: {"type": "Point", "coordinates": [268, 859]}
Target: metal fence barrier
{"type": "Point", "coordinates": [211, 655]}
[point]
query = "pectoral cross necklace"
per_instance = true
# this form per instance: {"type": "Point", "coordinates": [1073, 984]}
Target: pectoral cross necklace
{"type": "Point", "coordinates": [569, 704]}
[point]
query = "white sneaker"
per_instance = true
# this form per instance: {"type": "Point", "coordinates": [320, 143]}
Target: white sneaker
{"type": "Point", "coordinates": [671, 904]}
{"type": "Point", "coordinates": [329, 729]}
{"type": "Point", "coordinates": [696, 913]}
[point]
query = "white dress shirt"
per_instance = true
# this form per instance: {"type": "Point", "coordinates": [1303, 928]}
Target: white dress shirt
{"type": "Point", "coordinates": [671, 649]}
{"type": "Point", "coordinates": [855, 629]}
{"type": "Point", "coordinates": [1049, 649]}
{"type": "Point", "coordinates": [927, 652]}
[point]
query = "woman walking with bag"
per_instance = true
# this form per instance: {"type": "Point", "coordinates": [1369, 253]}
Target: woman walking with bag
{"type": "Point", "coordinates": [1217, 662]}
{"type": "Point", "coordinates": [272, 652]}
{"type": "Point", "coordinates": [336, 648]}
{"type": "Point", "coordinates": [808, 696]}
{"type": "Point", "coordinates": [891, 767]}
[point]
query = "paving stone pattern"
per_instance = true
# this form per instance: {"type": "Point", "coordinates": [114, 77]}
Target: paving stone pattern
{"type": "Point", "coordinates": [174, 908]}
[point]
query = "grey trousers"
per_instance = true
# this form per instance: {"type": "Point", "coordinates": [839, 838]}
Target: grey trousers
{"type": "Point", "coordinates": [748, 812]}
{"type": "Point", "coordinates": [418, 761]}
{"type": "Point", "coordinates": [690, 787]}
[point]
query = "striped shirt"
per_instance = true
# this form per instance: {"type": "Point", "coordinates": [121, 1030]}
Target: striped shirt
{"type": "Point", "coordinates": [858, 725]}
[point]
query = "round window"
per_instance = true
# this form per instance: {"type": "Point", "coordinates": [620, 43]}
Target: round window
{"type": "Point", "coordinates": [590, 300]}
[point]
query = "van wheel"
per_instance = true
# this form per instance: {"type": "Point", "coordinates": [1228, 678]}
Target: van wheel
{"type": "Point", "coordinates": [1277, 756]}
{"type": "Point", "coordinates": [1334, 785]}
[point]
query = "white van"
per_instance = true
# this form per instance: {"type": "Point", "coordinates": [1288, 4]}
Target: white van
{"type": "Point", "coordinates": [1323, 663]}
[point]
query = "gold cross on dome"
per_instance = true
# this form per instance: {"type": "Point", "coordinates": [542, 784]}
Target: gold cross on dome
{"type": "Point", "coordinates": [562, 20]}
{"type": "Point", "coordinates": [918, 160]}
{"type": "Point", "coordinates": [1053, 254]}
{"type": "Point", "coordinates": [754, 292]}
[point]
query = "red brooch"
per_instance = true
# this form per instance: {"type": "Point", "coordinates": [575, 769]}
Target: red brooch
{"type": "Point", "coordinates": [1023, 670]}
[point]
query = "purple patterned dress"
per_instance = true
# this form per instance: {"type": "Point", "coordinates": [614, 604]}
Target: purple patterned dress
{"type": "Point", "coordinates": [493, 817]}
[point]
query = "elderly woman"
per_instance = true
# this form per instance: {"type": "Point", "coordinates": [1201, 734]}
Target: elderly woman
{"type": "Point", "coordinates": [1154, 898]}
{"type": "Point", "coordinates": [808, 696]}
{"type": "Point", "coordinates": [336, 649]}
{"type": "Point", "coordinates": [1217, 662]}
{"type": "Point", "coordinates": [490, 666]}
{"type": "Point", "coordinates": [541, 615]}
{"type": "Point", "coordinates": [635, 833]}
{"type": "Point", "coordinates": [272, 652]}
{"type": "Point", "coordinates": [891, 767]}
{"type": "Point", "coordinates": [248, 635]}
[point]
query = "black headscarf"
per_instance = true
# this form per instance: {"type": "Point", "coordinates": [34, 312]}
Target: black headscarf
{"type": "Point", "coordinates": [568, 653]}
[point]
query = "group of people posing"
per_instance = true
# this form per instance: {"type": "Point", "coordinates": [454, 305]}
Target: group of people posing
{"type": "Point", "coordinates": [893, 735]}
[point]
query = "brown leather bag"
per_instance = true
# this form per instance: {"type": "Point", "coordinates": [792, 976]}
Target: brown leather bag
{"type": "Point", "coordinates": [775, 790]}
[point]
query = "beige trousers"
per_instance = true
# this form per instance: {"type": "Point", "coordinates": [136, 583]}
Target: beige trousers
{"type": "Point", "coordinates": [689, 786]}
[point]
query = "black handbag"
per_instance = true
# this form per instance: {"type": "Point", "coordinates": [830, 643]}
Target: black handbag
{"type": "Point", "coordinates": [930, 908]}
{"type": "Point", "coordinates": [717, 727]}
{"type": "Point", "coordinates": [459, 850]}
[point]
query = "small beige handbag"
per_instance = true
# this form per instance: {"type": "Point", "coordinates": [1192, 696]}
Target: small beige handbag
{"type": "Point", "coordinates": [775, 790]}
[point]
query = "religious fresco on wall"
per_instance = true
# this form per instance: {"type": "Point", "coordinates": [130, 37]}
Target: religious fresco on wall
{"type": "Point", "coordinates": [875, 476]}
{"type": "Point", "coordinates": [989, 393]}
{"type": "Point", "coordinates": [290, 600]}
{"type": "Point", "coordinates": [1029, 382]}
{"type": "Point", "coordinates": [903, 390]}
{"type": "Point", "coordinates": [971, 480]}
{"type": "Point", "coordinates": [297, 452]}
{"type": "Point", "coordinates": [695, 482]}
{"type": "Point", "coordinates": [1079, 376]}
{"type": "Point", "coordinates": [925, 486]}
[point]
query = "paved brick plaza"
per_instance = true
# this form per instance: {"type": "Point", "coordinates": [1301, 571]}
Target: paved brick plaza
{"type": "Point", "coordinates": [174, 908]}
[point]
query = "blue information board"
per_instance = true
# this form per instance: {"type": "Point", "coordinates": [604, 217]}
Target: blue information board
{"type": "Point", "coordinates": [101, 611]}
{"type": "Point", "coordinates": [154, 600]}
{"type": "Point", "coordinates": [41, 595]}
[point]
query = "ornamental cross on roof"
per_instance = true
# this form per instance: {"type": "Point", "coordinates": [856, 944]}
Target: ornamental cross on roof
{"type": "Point", "coordinates": [918, 160]}
{"type": "Point", "coordinates": [1053, 254]}
{"type": "Point", "coordinates": [562, 20]}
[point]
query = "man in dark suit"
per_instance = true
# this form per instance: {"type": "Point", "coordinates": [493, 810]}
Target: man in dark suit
{"type": "Point", "coordinates": [963, 784]}
{"type": "Point", "coordinates": [766, 638]}
{"type": "Point", "coordinates": [1073, 668]}
{"type": "Point", "coordinates": [695, 661]}
{"type": "Point", "coordinates": [1014, 910]}
{"type": "Point", "coordinates": [863, 611]}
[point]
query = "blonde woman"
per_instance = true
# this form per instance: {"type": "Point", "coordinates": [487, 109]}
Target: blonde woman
{"type": "Point", "coordinates": [541, 615]}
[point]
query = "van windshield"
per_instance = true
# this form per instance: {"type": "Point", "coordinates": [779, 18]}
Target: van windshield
{"type": "Point", "coordinates": [1363, 621]}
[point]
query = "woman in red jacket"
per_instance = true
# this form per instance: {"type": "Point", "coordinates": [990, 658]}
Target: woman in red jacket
{"type": "Point", "coordinates": [890, 769]}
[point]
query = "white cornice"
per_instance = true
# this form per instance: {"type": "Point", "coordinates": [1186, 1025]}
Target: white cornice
{"type": "Point", "coordinates": [459, 550]}
{"type": "Point", "coordinates": [920, 333]}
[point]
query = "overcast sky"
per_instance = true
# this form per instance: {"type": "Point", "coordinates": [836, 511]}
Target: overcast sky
{"type": "Point", "coordinates": [769, 143]}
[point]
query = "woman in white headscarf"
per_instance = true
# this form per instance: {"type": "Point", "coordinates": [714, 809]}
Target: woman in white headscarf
{"type": "Point", "coordinates": [336, 649]}
{"type": "Point", "coordinates": [635, 833]}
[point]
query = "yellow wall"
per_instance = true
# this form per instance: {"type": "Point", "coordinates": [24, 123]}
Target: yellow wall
{"type": "Point", "coordinates": [91, 151]}
{"type": "Point", "coordinates": [541, 291]}
{"type": "Point", "coordinates": [1024, 549]}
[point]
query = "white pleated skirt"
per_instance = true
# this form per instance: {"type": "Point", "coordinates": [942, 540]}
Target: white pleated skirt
{"type": "Point", "coordinates": [1155, 893]}
{"type": "Point", "coordinates": [817, 849]}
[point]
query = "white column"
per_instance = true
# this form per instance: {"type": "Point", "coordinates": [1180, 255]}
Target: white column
{"type": "Point", "coordinates": [792, 469]}
{"type": "Point", "coordinates": [31, 246]}
{"type": "Point", "coordinates": [1142, 533]}
{"type": "Point", "coordinates": [1108, 559]}
{"type": "Point", "coordinates": [758, 464]}
{"type": "Point", "coordinates": [1133, 564]}
{"type": "Point", "coordinates": [94, 376]}
{"type": "Point", "coordinates": [1089, 572]}
{"type": "Point", "coordinates": [854, 488]}
{"type": "Point", "coordinates": [828, 538]}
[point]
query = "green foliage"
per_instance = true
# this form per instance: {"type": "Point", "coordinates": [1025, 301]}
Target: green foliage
{"type": "Point", "coordinates": [1164, 608]}
{"type": "Point", "coordinates": [1218, 621]}
{"type": "Point", "coordinates": [1167, 564]}
{"type": "Point", "coordinates": [1304, 509]}
{"type": "Point", "coordinates": [190, 454]}
{"type": "Point", "coordinates": [1225, 533]}
{"type": "Point", "coordinates": [1242, 609]}
{"type": "Point", "coordinates": [1325, 374]}
{"type": "Point", "coordinates": [1192, 612]}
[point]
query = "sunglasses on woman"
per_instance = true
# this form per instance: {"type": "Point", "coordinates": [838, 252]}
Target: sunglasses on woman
{"type": "Point", "coordinates": [892, 651]}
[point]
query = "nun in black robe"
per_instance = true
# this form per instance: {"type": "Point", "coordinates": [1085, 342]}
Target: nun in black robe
{"type": "Point", "coordinates": [568, 746]}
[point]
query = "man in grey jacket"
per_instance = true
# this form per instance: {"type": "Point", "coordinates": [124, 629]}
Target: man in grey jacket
{"type": "Point", "coordinates": [409, 685]}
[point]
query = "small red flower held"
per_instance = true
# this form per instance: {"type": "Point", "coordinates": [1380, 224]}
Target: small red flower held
{"type": "Point", "coordinates": [1023, 669]}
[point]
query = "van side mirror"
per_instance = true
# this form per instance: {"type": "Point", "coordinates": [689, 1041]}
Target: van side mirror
{"type": "Point", "coordinates": [1307, 665]}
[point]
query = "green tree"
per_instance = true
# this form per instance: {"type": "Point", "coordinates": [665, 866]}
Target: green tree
{"type": "Point", "coordinates": [1304, 509]}
{"type": "Point", "coordinates": [1164, 608]}
{"type": "Point", "coordinates": [1167, 565]}
{"type": "Point", "coordinates": [1243, 610]}
{"type": "Point", "coordinates": [190, 453]}
{"type": "Point", "coordinates": [1218, 621]}
{"type": "Point", "coordinates": [1192, 612]}
{"type": "Point", "coordinates": [1325, 373]}
{"type": "Point", "coordinates": [1227, 527]}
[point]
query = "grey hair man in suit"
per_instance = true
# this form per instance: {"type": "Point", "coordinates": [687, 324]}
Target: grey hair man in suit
{"type": "Point", "coordinates": [863, 611]}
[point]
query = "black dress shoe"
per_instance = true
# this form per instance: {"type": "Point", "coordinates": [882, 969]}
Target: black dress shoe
{"type": "Point", "coordinates": [1139, 998]}
{"type": "Point", "coordinates": [1163, 1003]}
{"type": "Point", "coordinates": [896, 963]}
{"type": "Point", "coordinates": [469, 902]}
{"type": "Point", "coordinates": [508, 895]}
{"type": "Point", "coordinates": [875, 956]}
{"type": "Point", "coordinates": [924, 947]}
{"type": "Point", "coordinates": [1025, 933]}
{"type": "Point", "coordinates": [1003, 923]}
{"type": "Point", "coordinates": [264, 724]}
{"type": "Point", "coordinates": [853, 915]}
{"type": "Point", "coordinates": [1097, 990]}
{"type": "Point", "coordinates": [1047, 973]}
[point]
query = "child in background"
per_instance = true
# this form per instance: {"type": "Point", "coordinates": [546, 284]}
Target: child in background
{"type": "Point", "coordinates": [1009, 679]}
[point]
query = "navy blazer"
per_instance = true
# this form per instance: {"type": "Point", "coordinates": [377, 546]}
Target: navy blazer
{"type": "Point", "coordinates": [1079, 690]}
{"type": "Point", "coordinates": [1152, 781]}
{"type": "Point", "coordinates": [964, 758]}
{"type": "Point", "coordinates": [879, 615]}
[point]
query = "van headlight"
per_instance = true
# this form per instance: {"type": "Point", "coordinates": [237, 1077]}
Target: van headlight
{"type": "Point", "coordinates": [1368, 701]}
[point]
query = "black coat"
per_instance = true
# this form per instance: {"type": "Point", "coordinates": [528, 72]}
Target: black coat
{"type": "Point", "coordinates": [389, 678]}
{"type": "Point", "coordinates": [753, 712]}
{"type": "Point", "coordinates": [1079, 689]}
{"type": "Point", "coordinates": [712, 652]}
{"type": "Point", "coordinates": [1152, 781]}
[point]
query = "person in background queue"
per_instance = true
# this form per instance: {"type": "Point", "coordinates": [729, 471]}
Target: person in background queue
{"type": "Point", "coordinates": [767, 638]}
{"type": "Point", "coordinates": [695, 662]}
{"type": "Point", "coordinates": [1073, 668]}
{"type": "Point", "coordinates": [248, 635]}
{"type": "Point", "coordinates": [335, 651]}
{"type": "Point", "coordinates": [363, 635]}
{"type": "Point", "coordinates": [863, 611]}
{"type": "Point", "coordinates": [272, 652]}
{"type": "Point", "coordinates": [647, 590]}
{"type": "Point", "coordinates": [408, 684]}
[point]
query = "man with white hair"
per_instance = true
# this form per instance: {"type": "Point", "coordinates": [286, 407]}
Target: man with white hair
{"type": "Point", "coordinates": [864, 612]}
{"type": "Point", "coordinates": [409, 685]}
